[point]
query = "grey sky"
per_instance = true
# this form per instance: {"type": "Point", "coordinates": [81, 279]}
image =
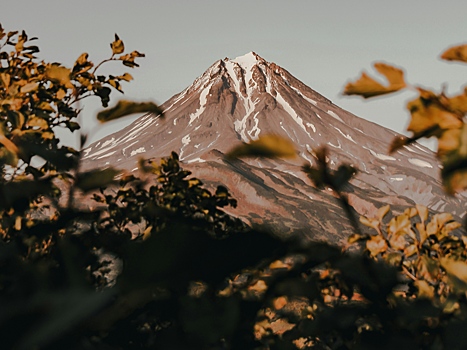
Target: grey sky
{"type": "Point", "coordinates": [324, 43]}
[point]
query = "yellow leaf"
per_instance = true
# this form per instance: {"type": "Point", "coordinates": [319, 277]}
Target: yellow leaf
{"type": "Point", "coordinates": [367, 87]}
{"type": "Point", "coordinates": [124, 108]}
{"type": "Point", "coordinates": [37, 123]}
{"type": "Point", "coordinates": [10, 146]}
{"type": "Point", "coordinates": [376, 245]}
{"type": "Point", "coordinates": [45, 106]}
{"type": "Point", "coordinates": [59, 74]}
{"type": "Point", "coordinates": [410, 250]}
{"type": "Point", "coordinates": [398, 241]}
{"type": "Point", "coordinates": [429, 113]}
{"type": "Point", "coordinates": [5, 80]}
{"type": "Point", "coordinates": [13, 89]}
{"type": "Point", "coordinates": [29, 87]}
{"type": "Point", "coordinates": [458, 104]}
{"type": "Point", "coordinates": [278, 265]}
{"type": "Point", "coordinates": [126, 77]}
{"type": "Point", "coordinates": [431, 229]}
{"type": "Point", "coordinates": [194, 182]}
{"type": "Point", "coordinates": [410, 212]}
{"type": "Point", "coordinates": [455, 53]}
{"type": "Point", "coordinates": [147, 233]}
{"type": "Point", "coordinates": [19, 45]}
{"type": "Point", "coordinates": [85, 82]}
{"type": "Point", "coordinates": [441, 219]}
{"type": "Point", "coordinates": [449, 141]}
{"type": "Point", "coordinates": [382, 212]}
{"type": "Point", "coordinates": [14, 104]}
{"type": "Point", "coordinates": [117, 46]}
{"type": "Point", "coordinates": [398, 224]}
{"type": "Point", "coordinates": [280, 302]}
{"type": "Point", "coordinates": [60, 94]}
{"type": "Point", "coordinates": [47, 135]}
{"type": "Point", "coordinates": [394, 76]}
{"type": "Point", "coordinates": [82, 59]}
{"type": "Point", "coordinates": [259, 287]}
{"type": "Point", "coordinates": [424, 289]}
{"type": "Point", "coordinates": [393, 258]}
{"type": "Point", "coordinates": [457, 273]}
{"type": "Point", "coordinates": [269, 146]}
{"type": "Point", "coordinates": [451, 226]}
{"type": "Point", "coordinates": [355, 237]}
{"type": "Point", "coordinates": [422, 212]}
{"type": "Point", "coordinates": [18, 222]}
{"type": "Point", "coordinates": [114, 83]}
{"type": "Point", "coordinates": [370, 222]}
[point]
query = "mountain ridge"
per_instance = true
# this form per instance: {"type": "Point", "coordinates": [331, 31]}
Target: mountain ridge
{"type": "Point", "coordinates": [237, 100]}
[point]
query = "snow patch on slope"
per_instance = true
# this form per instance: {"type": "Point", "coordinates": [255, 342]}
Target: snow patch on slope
{"type": "Point", "coordinates": [107, 155]}
{"type": "Point", "coordinates": [334, 115]}
{"type": "Point", "coordinates": [292, 113]}
{"type": "Point", "coordinates": [108, 142]}
{"type": "Point", "coordinates": [245, 63]}
{"type": "Point", "coordinates": [396, 178]}
{"type": "Point", "coordinates": [186, 141]}
{"type": "Point", "coordinates": [254, 132]}
{"type": "Point", "coordinates": [198, 160]}
{"type": "Point", "coordinates": [347, 136]}
{"type": "Point", "coordinates": [313, 102]}
{"type": "Point", "coordinates": [420, 163]}
{"type": "Point", "coordinates": [202, 104]}
{"type": "Point", "coordinates": [311, 126]}
{"type": "Point", "coordinates": [137, 151]}
{"type": "Point", "coordinates": [379, 155]}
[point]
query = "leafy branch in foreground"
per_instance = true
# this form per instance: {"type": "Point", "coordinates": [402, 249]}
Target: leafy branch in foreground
{"type": "Point", "coordinates": [432, 115]}
{"type": "Point", "coordinates": [337, 180]}
{"type": "Point", "coordinates": [155, 262]}
{"type": "Point", "coordinates": [424, 247]}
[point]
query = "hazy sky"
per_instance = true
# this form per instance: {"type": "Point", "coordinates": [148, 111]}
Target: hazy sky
{"type": "Point", "coordinates": [324, 43]}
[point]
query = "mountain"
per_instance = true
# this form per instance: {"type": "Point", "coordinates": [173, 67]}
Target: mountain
{"type": "Point", "coordinates": [237, 100]}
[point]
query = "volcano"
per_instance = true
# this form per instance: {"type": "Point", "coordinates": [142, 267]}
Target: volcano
{"type": "Point", "coordinates": [237, 100]}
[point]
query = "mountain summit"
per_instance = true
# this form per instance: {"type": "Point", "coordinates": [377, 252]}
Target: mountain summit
{"type": "Point", "coordinates": [237, 100]}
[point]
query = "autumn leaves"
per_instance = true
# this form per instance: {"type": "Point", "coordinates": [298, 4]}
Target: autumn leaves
{"type": "Point", "coordinates": [432, 114]}
{"type": "Point", "coordinates": [37, 98]}
{"type": "Point", "coordinates": [367, 87]}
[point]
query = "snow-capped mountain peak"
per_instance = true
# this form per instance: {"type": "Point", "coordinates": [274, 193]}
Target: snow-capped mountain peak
{"type": "Point", "coordinates": [237, 100]}
{"type": "Point", "coordinates": [248, 60]}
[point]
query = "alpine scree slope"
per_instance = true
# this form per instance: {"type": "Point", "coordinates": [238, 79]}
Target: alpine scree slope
{"type": "Point", "coordinates": [237, 100]}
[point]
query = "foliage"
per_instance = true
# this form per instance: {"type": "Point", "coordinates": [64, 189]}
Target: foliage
{"type": "Point", "coordinates": [155, 261]}
{"type": "Point", "coordinates": [39, 97]}
{"type": "Point", "coordinates": [72, 276]}
{"type": "Point", "coordinates": [173, 195]}
{"type": "Point", "coordinates": [426, 251]}
{"type": "Point", "coordinates": [432, 115]}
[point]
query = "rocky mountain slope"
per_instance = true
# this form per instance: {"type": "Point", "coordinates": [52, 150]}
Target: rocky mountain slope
{"type": "Point", "coordinates": [237, 100]}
